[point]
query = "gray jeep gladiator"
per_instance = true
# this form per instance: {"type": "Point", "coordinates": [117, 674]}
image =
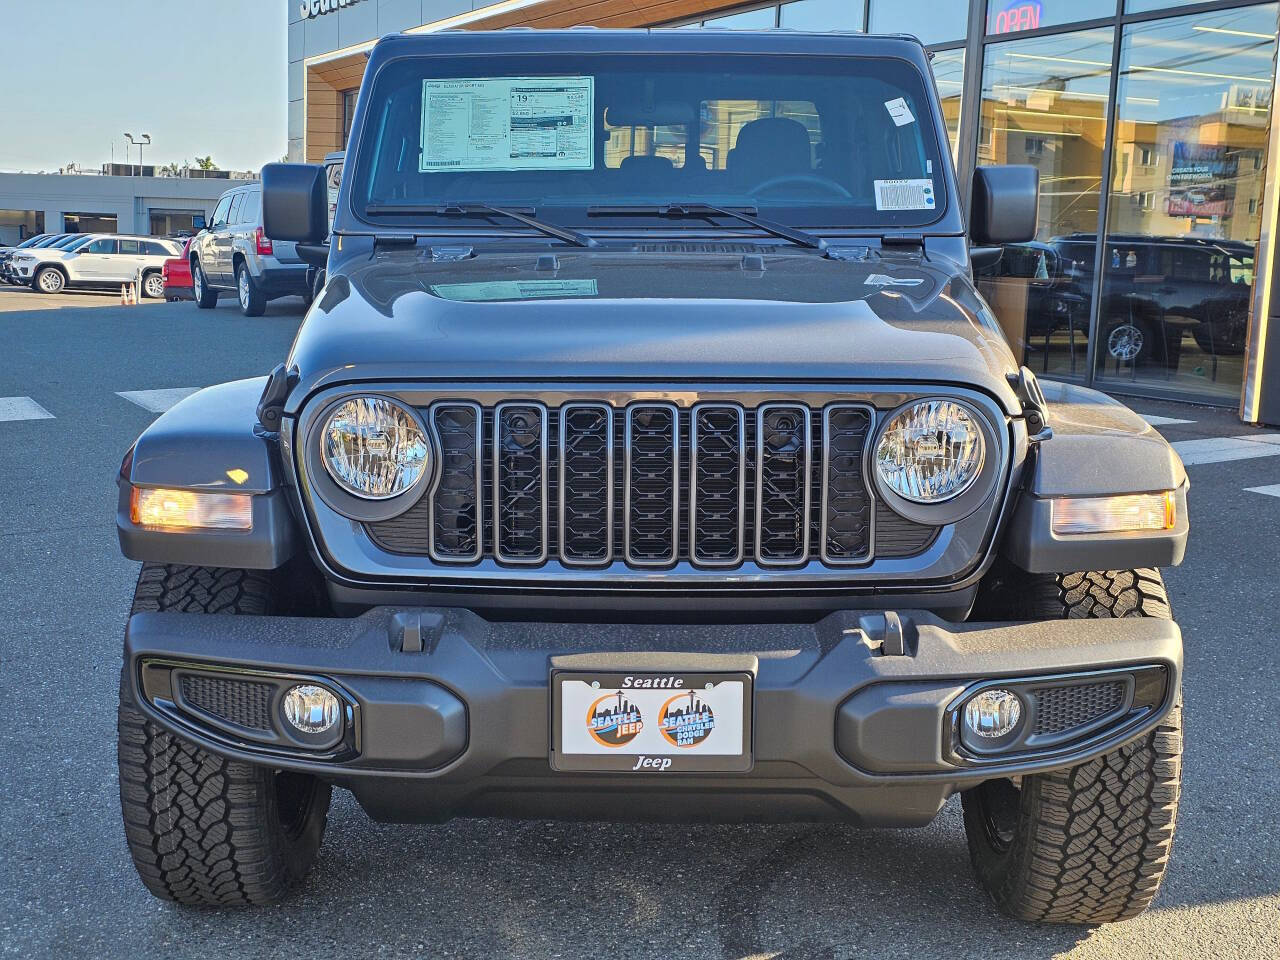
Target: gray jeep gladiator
{"type": "Point", "coordinates": [649, 454]}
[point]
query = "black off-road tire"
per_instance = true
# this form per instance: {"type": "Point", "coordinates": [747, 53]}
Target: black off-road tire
{"type": "Point", "coordinates": [1089, 844]}
{"type": "Point", "coordinates": [202, 829]}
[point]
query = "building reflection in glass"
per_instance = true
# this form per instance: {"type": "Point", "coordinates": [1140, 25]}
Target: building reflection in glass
{"type": "Point", "coordinates": [1184, 215]}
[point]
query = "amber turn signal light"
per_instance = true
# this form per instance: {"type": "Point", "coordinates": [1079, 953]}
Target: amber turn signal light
{"type": "Point", "coordinates": [1125, 514]}
{"type": "Point", "coordinates": [159, 508]}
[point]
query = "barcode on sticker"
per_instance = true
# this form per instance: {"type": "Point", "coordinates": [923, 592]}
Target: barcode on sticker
{"type": "Point", "coordinates": [905, 195]}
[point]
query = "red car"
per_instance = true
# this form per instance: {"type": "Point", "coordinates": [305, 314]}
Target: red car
{"type": "Point", "coordinates": [177, 276]}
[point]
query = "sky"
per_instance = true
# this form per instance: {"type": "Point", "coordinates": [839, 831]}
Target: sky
{"type": "Point", "coordinates": [203, 77]}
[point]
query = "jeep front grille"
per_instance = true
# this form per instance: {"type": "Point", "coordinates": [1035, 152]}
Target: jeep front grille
{"type": "Point", "coordinates": [652, 484]}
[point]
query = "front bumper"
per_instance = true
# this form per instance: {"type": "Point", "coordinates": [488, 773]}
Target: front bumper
{"type": "Point", "coordinates": [448, 714]}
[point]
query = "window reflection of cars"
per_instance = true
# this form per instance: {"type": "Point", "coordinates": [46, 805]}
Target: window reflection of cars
{"type": "Point", "coordinates": [1156, 290]}
{"type": "Point", "coordinates": [1057, 299]}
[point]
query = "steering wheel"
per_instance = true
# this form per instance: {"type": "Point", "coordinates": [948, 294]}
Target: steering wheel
{"type": "Point", "coordinates": [812, 179]}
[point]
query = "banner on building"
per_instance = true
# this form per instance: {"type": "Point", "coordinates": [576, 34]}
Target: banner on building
{"type": "Point", "coordinates": [1198, 180]}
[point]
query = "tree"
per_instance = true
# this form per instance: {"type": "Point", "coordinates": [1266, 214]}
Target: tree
{"type": "Point", "coordinates": [171, 170]}
{"type": "Point", "coordinates": [206, 163]}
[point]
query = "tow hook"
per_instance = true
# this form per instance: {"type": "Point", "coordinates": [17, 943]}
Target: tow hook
{"type": "Point", "coordinates": [889, 634]}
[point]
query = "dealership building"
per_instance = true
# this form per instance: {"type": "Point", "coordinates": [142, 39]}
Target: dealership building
{"type": "Point", "coordinates": [1153, 271]}
{"type": "Point", "coordinates": [111, 202]}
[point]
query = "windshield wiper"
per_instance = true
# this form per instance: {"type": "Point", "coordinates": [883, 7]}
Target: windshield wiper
{"type": "Point", "coordinates": [745, 214]}
{"type": "Point", "coordinates": [477, 209]}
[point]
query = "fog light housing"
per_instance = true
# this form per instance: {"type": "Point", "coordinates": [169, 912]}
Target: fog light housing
{"type": "Point", "coordinates": [993, 714]}
{"type": "Point", "coordinates": [311, 709]}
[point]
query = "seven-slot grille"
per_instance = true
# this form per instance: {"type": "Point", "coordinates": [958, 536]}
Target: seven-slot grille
{"type": "Point", "coordinates": [651, 484]}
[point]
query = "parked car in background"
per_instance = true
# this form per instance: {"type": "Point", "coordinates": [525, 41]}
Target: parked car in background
{"type": "Point", "coordinates": [333, 180]}
{"type": "Point", "coordinates": [98, 260]}
{"type": "Point", "coordinates": [48, 240]}
{"type": "Point", "coordinates": [177, 275]}
{"type": "Point", "coordinates": [234, 255]}
{"type": "Point", "coordinates": [6, 252]}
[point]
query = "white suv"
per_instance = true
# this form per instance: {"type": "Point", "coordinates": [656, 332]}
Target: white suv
{"type": "Point", "coordinates": [99, 260]}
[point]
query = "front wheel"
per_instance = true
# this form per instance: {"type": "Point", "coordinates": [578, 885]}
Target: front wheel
{"type": "Point", "coordinates": [1089, 844]}
{"type": "Point", "coordinates": [202, 829]}
{"type": "Point", "coordinates": [50, 280]}
{"type": "Point", "coordinates": [153, 286]}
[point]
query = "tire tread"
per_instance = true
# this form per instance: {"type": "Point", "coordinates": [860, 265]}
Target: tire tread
{"type": "Point", "coordinates": [203, 829]}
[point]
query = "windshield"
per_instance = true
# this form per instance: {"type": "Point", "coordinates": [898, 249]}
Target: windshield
{"type": "Point", "coordinates": [809, 141]}
{"type": "Point", "coordinates": [77, 244]}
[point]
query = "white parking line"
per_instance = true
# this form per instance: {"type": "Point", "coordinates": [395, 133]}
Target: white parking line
{"type": "Point", "coordinates": [22, 408]}
{"type": "Point", "coordinates": [1155, 421]}
{"type": "Point", "coordinates": [1222, 449]}
{"type": "Point", "coordinates": [1272, 491]}
{"type": "Point", "coordinates": [157, 401]}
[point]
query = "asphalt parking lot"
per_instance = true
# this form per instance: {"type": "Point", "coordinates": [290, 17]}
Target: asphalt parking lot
{"type": "Point", "coordinates": [81, 377]}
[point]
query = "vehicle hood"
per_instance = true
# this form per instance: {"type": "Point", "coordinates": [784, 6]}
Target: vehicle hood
{"type": "Point", "coordinates": [41, 255]}
{"type": "Point", "coordinates": [654, 313]}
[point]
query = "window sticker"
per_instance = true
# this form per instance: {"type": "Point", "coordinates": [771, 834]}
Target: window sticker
{"type": "Point", "coordinates": [899, 111]}
{"type": "Point", "coordinates": [905, 195]}
{"type": "Point", "coordinates": [514, 290]}
{"type": "Point", "coordinates": [507, 123]}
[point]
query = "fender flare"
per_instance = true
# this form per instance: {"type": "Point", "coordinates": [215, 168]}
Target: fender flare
{"type": "Point", "coordinates": [1099, 448]}
{"type": "Point", "coordinates": [211, 442]}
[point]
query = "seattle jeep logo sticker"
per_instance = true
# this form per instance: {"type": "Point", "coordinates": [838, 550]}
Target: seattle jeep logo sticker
{"type": "Point", "coordinates": [613, 720]}
{"type": "Point", "coordinates": [686, 720]}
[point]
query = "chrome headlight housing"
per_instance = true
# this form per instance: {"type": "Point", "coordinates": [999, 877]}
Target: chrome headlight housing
{"type": "Point", "coordinates": [374, 448]}
{"type": "Point", "coordinates": [930, 451]}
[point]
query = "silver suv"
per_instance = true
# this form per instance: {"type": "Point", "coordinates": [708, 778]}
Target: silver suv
{"type": "Point", "coordinates": [235, 255]}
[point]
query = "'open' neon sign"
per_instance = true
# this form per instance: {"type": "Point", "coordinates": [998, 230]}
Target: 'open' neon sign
{"type": "Point", "coordinates": [1019, 15]}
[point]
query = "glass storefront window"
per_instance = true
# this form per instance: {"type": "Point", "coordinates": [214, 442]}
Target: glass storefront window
{"type": "Point", "coordinates": [1013, 16]}
{"type": "Point", "coordinates": [931, 21]}
{"type": "Point", "coordinates": [1184, 212]}
{"type": "Point", "coordinates": [762, 19]}
{"type": "Point", "coordinates": [821, 15]}
{"type": "Point", "coordinates": [1044, 102]}
{"type": "Point", "coordinates": [948, 73]}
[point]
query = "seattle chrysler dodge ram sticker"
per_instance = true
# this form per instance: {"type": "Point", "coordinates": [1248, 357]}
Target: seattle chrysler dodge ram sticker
{"type": "Point", "coordinates": [507, 123]}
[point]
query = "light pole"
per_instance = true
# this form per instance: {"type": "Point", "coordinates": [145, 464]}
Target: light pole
{"type": "Point", "coordinates": [145, 141]}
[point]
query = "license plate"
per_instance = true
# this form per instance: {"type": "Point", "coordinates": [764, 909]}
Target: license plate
{"type": "Point", "coordinates": [651, 722]}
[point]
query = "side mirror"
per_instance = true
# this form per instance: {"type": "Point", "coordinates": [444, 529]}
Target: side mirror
{"type": "Point", "coordinates": [1004, 205]}
{"type": "Point", "coordinates": [295, 202]}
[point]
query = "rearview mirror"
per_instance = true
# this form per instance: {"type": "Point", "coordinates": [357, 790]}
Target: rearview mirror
{"type": "Point", "coordinates": [1004, 205]}
{"type": "Point", "coordinates": [295, 202]}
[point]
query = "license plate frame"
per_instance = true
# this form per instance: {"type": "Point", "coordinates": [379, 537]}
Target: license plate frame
{"type": "Point", "coordinates": [651, 750]}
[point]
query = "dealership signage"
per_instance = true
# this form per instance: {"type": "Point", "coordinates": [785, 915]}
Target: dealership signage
{"type": "Point", "coordinates": [318, 8]}
{"type": "Point", "coordinates": [1015, 16]}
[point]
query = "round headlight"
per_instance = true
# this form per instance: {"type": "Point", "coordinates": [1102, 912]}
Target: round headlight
{"type": "Point", "coordinates": [930, 451]}
{"type": "Point", "coordinates": [374, 448]}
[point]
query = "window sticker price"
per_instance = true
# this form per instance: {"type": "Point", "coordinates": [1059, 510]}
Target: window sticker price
{"type": "Point", "coordinates": [507, 123]}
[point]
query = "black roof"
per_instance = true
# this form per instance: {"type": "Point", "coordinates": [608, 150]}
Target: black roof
{"type": "Point", "coordinates": [651, 40]}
